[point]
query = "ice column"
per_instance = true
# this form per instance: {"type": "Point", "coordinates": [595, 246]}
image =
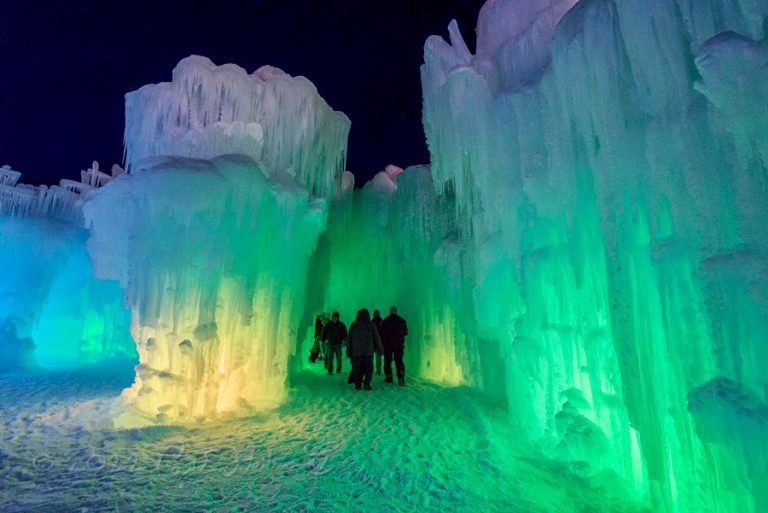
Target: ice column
{"type": "Point", "coordinates": [608, 166]}
{"type": "Point", "coordinates": [213, 257]}
{"type": "Point", "coordinates": [211, 232]}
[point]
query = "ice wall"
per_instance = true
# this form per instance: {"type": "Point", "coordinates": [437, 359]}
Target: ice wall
{"type": "Point", "coordinates": [207, 110]}
{"type": "Point", "coordinates": [213, 257]}
{"type": "Point", "coordinates": [382, 248]}
{"type": "Point", "coordinates": [607, 163]}
{"type": "Point", "coordinates": [211, 233]}
{"type": "Point", "coordinates": [52, 311]}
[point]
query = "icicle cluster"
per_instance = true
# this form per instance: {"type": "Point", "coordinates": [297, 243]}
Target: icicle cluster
{"type": "Point", "coordinates": [207, 110]}
{"type": "Point", "coordinates": [382, 248]}
{"type": "Point", "coordinates": [63, 201]}
{"type": "Point", "coordinates": [213, 258]}
{"type": "Point", "coordinates": [52, 311]}
{"type": "Point", "coordinates": [607, 164]}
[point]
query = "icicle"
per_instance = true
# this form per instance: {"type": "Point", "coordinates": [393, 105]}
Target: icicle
{"type": "Point", "coordinates": [610, 241]}
{"type": "Point", "coordinates": [8, 176]}
{"type": "Point", "coordinates": [213, 257]}
{"type": "Point", "coordinates": [207, 110]}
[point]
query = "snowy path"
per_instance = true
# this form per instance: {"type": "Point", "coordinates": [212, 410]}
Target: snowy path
{"type": "Point", "coordinates": [331, 448]}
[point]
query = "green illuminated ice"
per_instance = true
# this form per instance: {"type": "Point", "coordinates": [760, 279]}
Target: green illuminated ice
{"type": "Point", "coordinates": [587, 250]}
{"type": "Point", "coordinates": [610, 199]}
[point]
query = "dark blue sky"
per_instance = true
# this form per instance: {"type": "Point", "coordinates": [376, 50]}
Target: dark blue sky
{"type": "Point", "coordinates": [65, 67]}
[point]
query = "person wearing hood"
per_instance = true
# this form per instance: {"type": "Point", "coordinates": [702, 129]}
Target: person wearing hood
{"type": "Point", "coordinates": [362, 342]}
{"type": "Point", "coordinates": [334, 334]}
{"type": "Point", "coordinates": [393, 331]}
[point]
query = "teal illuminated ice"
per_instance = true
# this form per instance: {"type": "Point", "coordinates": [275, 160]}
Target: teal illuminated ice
{"type": "Point", "coordinates": [586, 251]}
{"type": "Point", "coordinates": [53, 312]}
{"type": "Point", "coordinates": [611, 203]}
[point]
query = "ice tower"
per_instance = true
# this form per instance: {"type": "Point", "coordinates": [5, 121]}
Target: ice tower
{"type": "Point", "coordinates": [211, 233]}
{"type": "Point", "coordinates": [608, 165]}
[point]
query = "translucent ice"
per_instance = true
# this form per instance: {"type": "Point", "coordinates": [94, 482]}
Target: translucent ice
{"type": "Point", "coordinates": [208, 110]}
{"type": "Point", "coordinates": [52, 311]}
{"type": "Point", "coordinates": [213, 250]}
{"type": "Point", "coordinates": [608, 176]}
{"type": "Point", "coordinates": [213, 257]}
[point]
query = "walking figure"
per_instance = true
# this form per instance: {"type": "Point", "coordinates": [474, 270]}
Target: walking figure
{"type": "Point", "coordinates": [363, 340]}
{"type": "Point", "coordinates": [334, 334]}
{"type": "Point", "coordinates": [393, 332]}
{"type": "Point", "coordinates": [316, 350]}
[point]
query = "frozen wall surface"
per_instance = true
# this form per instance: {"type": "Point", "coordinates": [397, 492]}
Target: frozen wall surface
{"type": "Point", "coordinates": [52, 311]}
{"type": "Point", "coordinates": [605, 163]}
{"type": "Point", "coordinates": [213, 256]}
{"type": "Point", "coordinates": [379, 250]}
{"type": "Point", "coordinates": [211, 233]}
{"type": "Point", "coordinates": [207, 110]}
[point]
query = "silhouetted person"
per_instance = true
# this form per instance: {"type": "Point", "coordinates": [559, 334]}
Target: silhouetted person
{"type": "Point", "coordinates": [393, 332]}
{"type": "Point", "coordinates": [363, 340]}
{"type": "Point", "coordinates": [334, 334]}
{"type": "Point", "coordinates": [377, 322]}
{"type": "Point", "coordinates": [314, 353]}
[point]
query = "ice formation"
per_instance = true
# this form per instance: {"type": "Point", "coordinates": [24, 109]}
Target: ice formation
{"type": "Point", "coordinates": [587, 248]}
{"type": "Point", "coordinates": [379, 249]}
{"type": "Point", "coordinates": [213, 250]}
{"type": "Point", "coordinates": [52, 311]}
{"type": "Point", "coordinates": [213, 257]}
{"type": "Point", "coordinates": [207, 111]}
{"type": "Point", "coordinates": [609, 198]}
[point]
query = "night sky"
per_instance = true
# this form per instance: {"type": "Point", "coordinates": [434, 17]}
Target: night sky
{"type": "Point", "coordinates": [65, 67]}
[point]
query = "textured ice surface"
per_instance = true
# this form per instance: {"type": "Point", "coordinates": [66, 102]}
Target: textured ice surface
{"type": "Point", "coordinates": [52, 311]}
{"type": "Point", "coordinates": [213, 257]}
{"type": "Point", "coordinates": [609, 198]}
{"type": "Point", "coordinates": [207, 111]}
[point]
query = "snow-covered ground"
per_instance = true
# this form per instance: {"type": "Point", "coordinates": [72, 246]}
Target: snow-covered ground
{"type": "Point", "coordinates": [330, 448]}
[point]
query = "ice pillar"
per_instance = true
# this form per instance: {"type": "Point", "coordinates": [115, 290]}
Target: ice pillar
{"type": "Point", "coordinates": [213, 250]}
{"type": "Point", "coordinates": [609, 172]}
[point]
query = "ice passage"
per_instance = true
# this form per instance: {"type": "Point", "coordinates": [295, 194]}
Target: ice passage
{"type": "Point", "coordinates": [583, 264]}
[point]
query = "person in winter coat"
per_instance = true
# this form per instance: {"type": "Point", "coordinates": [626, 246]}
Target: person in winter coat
{"type": "Point", "coordinates": [334, 334]}
{"type": "Point", "coordinates": [393, 332]}
{"type": "Point", "coordinates": [362, 341]}
{"type": "Point", "coordinates": [377, 322]}
{"type": "Point", "coordinates": [320, 323]}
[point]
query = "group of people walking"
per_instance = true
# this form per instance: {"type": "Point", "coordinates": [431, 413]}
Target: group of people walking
{"type": "Point", "coordinates": [366, 339]}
